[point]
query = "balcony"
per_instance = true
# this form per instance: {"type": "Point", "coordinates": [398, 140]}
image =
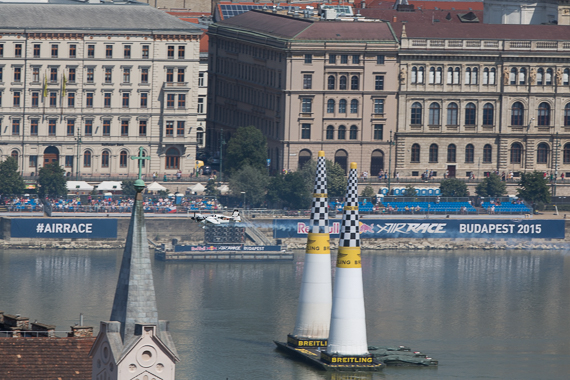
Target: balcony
{"type": "Point", "coordinates": [181, 86]}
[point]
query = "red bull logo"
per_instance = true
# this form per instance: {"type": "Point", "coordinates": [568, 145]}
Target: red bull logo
{"type": "Point", "coordinates": [304, 229]}
{"type": "Point", "coordinates": [364, 228]}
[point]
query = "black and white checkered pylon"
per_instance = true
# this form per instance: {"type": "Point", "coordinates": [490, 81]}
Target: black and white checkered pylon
{"type": "Point", "coordinates": [320, 208]}
{"type": "Point", "coordinates": [350, 227]}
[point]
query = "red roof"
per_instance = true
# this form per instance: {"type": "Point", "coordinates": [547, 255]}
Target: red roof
{"type": "Point", "coordinates": [445, 5]}
{"type": "Point", "coordinates": [204, 38]}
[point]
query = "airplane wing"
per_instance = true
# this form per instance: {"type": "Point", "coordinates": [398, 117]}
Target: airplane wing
{"type": "Point", "coordinates": [212, 219]}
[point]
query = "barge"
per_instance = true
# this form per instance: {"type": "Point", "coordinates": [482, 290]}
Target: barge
{"type": "Point", "coordinates": [223, 252]}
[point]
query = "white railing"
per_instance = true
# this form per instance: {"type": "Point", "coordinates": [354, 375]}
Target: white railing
{"type": "Point", "coordinates": [473, 44]}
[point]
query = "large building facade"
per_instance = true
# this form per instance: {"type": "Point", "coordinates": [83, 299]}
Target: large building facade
{"type": "Point", "coordinates": [307, 84]}
{"type": "Point", "coordinates": [87, 85]}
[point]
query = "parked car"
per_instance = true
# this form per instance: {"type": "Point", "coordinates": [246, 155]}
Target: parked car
{"type": "Point", "coordinates": [206, 170]}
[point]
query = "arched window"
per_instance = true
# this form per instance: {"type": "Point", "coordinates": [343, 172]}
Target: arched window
{"type": "Point", "coordinates": [522, 75]}
{"type": "Point", "coordinates": [469, 153]}
{"type": "Point", "coordinates": [416, 118]}
{"type": "Point", "coordinates": [488, 114]}
{"type": "Point", "coordinates": [123, 157]}
{"type": "Point", "coordinates": [14, 155]}
{"type": "Point", "coordinates": [566, 154]}
{"type": "Point", "coordinates": [342, 106]}
{"type": "Point", "coordinates": [420, 74]}
{"type": "Point", "coordinates": [542, 153]}
{"type": "Point", "coordinates": [567, 115]}
{"type": "Point", "coordinates": [438, 75]}
{"type": "Point", "coordinates": [517, 114]}
{"type": "Point", "coordinates": [331, 82]}
{"type": "Point", "coordinates": [87, 159]}
{"type": "Point", "coordinates": [341, 158]}
{"type": "Point", "coordinates": [452, 111]}
{"type": "Point", "coordinates": [513, 76]}
{"type": "Point", "coordinates": [470, 112]}
{"type": "Point", "coordinates": [456, 75]}
{"type": "Point", "coordinates": [451, 153]}
{"type": "Point", "coordinates": [172, 158]}
{"type": "Point", "coordinates": [353, 134]}
{"type": "Point", "coordinates": [342, 83]}
{"type": "Point", "coordinates": [492, 76]}
{"type": "Point", "coordinates": [486, 75]}
{"type": "Point", "coordinates": [431, 75]}
{"type": "Point", "coordinates": [474, 75]}
{"type": "Point", "coordinates": [450, 75]}
{"type": "Point", "coordinates": [341, 135]}
{"type": "Point", "coordinates": [354, 82]}
{"type": "Point", "coordinates": [414, 78]}
{"type": "Point", "coordinates": [330, 133]}
{"type": "Point", "coordinates": [354, 106]}
{"type": "Point", "coordinates": [330, 106]}
{"type": "Point", "coordinates": [433, 152]}
{"type": "Point", "coordinates": [543, 114]}
{"type": "Point", "coordinates": [548, 77]}
{"type": "Point", "coordinates": [565, 76]}
{"type": "Point", "coordinates": [540, 76]}
{"type": "Point", "coordinates": [487, 154]}
{"type": "Point", "coordinates": [434, 111]}
{"type": "Point", "coordinates": [105, 159]}
{"type": "Point", "coordinates": [516, 153]}
{"type": "Point", "coordinates": [376, 162]}
{"type": "Point", "coordinates": [468, 75]}
{"type": "Point", "coordinates": [304, 157]}
{"type": "Point", "coordinates": [415, 153]}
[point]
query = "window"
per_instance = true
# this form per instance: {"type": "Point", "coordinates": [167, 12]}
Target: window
{"type": "Point", "coordinates": [331, 106]}
{"type": "Point", "coordinates": [452, 110]}
{"type": "Point", "coordinates": [70, 127]}
{"type": "Point", "coordinates": [469, 153]}
{"type": "Point", "coordinates": [181, 52]}
{"type": "Point", "coordinates": [341, 134]}
{"type": "Point", "coordinates": [305, 131]}
{"type": "Point", "coordinates": [307, 81]}
{"type": "Point", "coordinates": [180, 75]}
{"type": "Point", "coordinates": [416, 118]}
{"type": "Point", "coordinates": [487, 154]}
{"type": "Point", "coordinates": [330, 133]}
{"type": "Point", "coordinates": [180, 128]}
{"type": "Point", "coordinates": [71, 99]}
{"type": "Point", "coordinates": [0, 74]}
{"type": "Point", "coordinates": [53, 75]}
{"type": "Point", "coordinates": [415, 153]}
{"type": "Point", "coordinates": [51, 127]}
{"type": "Point", "coordinates": [343, 58]}
{"type": "Point", "coordinates": [126, 97]}
{"type": "Point", "coordinates": [417, 74]}
{"type": "Point", "coordinates": [145, 49]}
{"type": "Point", "coordinates": [126, 75]}
{"type": "Point", "coordinates": [522, 76]}
{"type": "Point", "coordinates": [200, 105]}
{"type": "Point", "coordinates": [144, 75]}
{"type": "Point", "coordinates": [72, 51]}
{"type": "Point", "coordinates": [124, 127]}
{"type": "Point", "coordinates": [34, 127]}
{"type": "Point", "coordinates": [355, 59]}
{"type": "Point", "coordinates": [566, 154]}
{"type": "Point", "coordinates": [90, 74]}
{"type": "Point", "coordinates": [107, 100]}
{"type": "Point", "coordinates": [68, 161]}
{"type": "Point", "coordinates": [169, 75]}
{"type": "Point", "coordinates": [470, 114]}
{"type": "Point", "coordinates": [16, 98]}
{"type": "Point", "coordinates": [380, 59]}
{"type": "Point", "coordinates": [513, 76]}
{"type": "Point", "coordinates": [1, 50]}
{"type": "Point", "coordinates": [567, 115]}
{"type": "Point", "coordinates": [15, 127]}
{"type": "Point", "coordinates": [200, 136]}
{"type": "Point", "coordinates": [517, 113]}
{"type": "Point", "coordinates": [182, 101]}
{"type": "Point", "coordinates": [201, 79]}
{"type": "Point", "coordinates": [17, 74]}
{"type": "Point", "coordinates": [169, 128]}
{"type": "Point", "coordinates": [170, 100]}
{"type": "Point", "coordinates": [342, 83]}
{"type": "Point", "coordinates": [378, 131]}
{"type": "Point", "coordinates": [354, 106]}
{"type": "Point", "coordinates": [37, 50]}
{"type": "Point", "coordinates": [35, 99]}
{"type": "Point", "coordinates": [308, 58]}
{"type": "Point", "coordinates": [342, 106]}
{"type": "Point", "coordinates": [451, 153]}
{"type": "Point", "coordinates": [544, 114]}
{"type": "Point", "coordinates": [105, 159]}
{"type": "Point", "coordinates": [542, 153]}
{"type": "Point", "coordinates": [89, 100]}
{"type": "Point", "coordinates": [540, 76]}
{"type": "Point", "coordinates": [142, 127]}
{"type": "Point", "coordinates": [379, 106]}
{"type": "Point", "coordinates": [170, 52]}
{"type": "Point", "coordinates": [33, 161]}
{"type": "Point", "coordinates": [90, 51]}
{"type": "Point", "coordinates": [488, 114]}
{"type": "Point", "coordinates": [36, 74]}
{"type": "Point", "coordinates": [123, 159]}
{"type": "Point", "coordinates": [434, 113]}
{"type": "Point", "coordinates": [108, 75]}
{"type": "Point", "coordinates": [144, 99]}
{"type": "Point", "coordinates": [565, 77]}
{"type": "Point", "coordinates": [54, 51]}
{"type": "Point", "coordinates": [14, 155]}
{"type": "Point", "coordinates": [71, 76]}
{"type": "Point", "coordinates": [516, 153]}
{"type": "Point", "coordinates": [332, 59]}
{"type": "Point", "coordinates": [87, 159]}
{"type": "Point", "coordinates": [127, 51]}
{"type": "Point", "coordinates": [172, 158]}
{"type": "Point", "coordinates": [548, 77]}
{"type": "Point", "coordinates": [106, 127]}
{"type": "Point", "coordinates": [88, 127]}
{"type": "Point", "coordinates": [306, 105]}
{"type": "Point", "coordinates": [354, 82]}
{"type": "Point", "coordinates": [379, 82]}
{"type": "Point", "coordinates": [456, 75]}
{"type": "Point", "coordinates": [450, 75]}
{"type": "Point", "coordinates": [18, 50]}
{"type": "Point", "coordinates": [109, 51]}
{"type": "Point", "coordinates": [353, 133]}
{"type": "Point", "coordinates": [433, 151]}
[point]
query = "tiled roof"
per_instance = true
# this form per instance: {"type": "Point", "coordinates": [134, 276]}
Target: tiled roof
{"type": "Point", "coordinates": [45, 358]}
{"type": "Point", "coordinates": [447, 5]}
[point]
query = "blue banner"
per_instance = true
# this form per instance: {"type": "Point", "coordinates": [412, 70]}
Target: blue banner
{"type": "Point", "coordinates": [225, 248]}
{"type": "Point", "coordinates": [434, 228]}
{"type": "Point", "coordinates": [64, 228]}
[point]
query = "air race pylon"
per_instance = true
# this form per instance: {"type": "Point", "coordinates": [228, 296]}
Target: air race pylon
{"type": "Point", "coordinates": [315, 299]}
{"type": "Point", "coordinates": [347, 345]}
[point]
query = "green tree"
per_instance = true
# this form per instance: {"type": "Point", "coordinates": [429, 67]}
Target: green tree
{"type": "Point", "coordinates": [336, 177]}
{"type": "Point", "coordinates": [253, 182]}
{"type": "Point", "coordinates": [128, 187]}
{"type": "Point", "coordinates": [368, 192]}
{"type": "Point", "coordinates": [533, 187]}
{"type": "Point", "coordinates": [411, 191]}
{"type": "Point", "coordinates": [211, 188]}
{"type": "Point", "coordinates": [52, 181]}
{"type": "Point", "coordinates": [247, 147]}
{"type": "Point", "coordinates": [291, 190]}
{"type": "Point", "coordinates": [491, 186]}
{"type": "Point", "coordinates": [453, 187]}
{"type": "Point", "coordinates": [11, 181]}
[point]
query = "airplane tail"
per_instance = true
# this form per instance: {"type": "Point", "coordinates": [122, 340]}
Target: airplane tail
{"type": "Point", "coordinates": [235, 215]}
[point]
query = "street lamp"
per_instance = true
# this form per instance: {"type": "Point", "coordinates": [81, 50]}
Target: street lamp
{"type": "Point", "coordinates": [243, 192]}
{"type": "Point", "coordinates": [78, 139]}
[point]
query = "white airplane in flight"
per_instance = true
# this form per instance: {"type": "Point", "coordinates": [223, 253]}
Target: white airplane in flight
{"type": "Point", "coordinates": [217, 219]}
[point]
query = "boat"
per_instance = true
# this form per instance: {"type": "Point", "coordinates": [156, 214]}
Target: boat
{"type": "Point", "coordinates": [223, 252]}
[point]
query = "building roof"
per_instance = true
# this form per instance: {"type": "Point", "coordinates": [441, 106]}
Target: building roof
{"type": "Point", "coordinates": [90, 17]}
{"type": "Point", "coordinates": [45, 358]}
{"type": "Point", "coordinates": [445, 5]}
{"type": "Point", "coordinates": [304, 29]}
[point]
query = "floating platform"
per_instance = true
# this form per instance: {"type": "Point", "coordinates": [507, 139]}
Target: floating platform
{"type": "Point", "coordinates": [402, 356]}
{"type": "Point", "coordinates": [218, 252]}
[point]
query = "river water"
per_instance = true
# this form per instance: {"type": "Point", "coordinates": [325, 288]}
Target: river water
{"type": "Point", "coordinates": [482, 314]}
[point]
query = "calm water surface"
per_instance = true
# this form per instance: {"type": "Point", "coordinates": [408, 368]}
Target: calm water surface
{"type": "Point", "coordinates": [482, 314]}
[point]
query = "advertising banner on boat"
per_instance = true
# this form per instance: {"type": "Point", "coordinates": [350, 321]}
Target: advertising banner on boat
{"type": "Point", "coordinates": [434, 228]}
{"type": "Point", "coordinates": [226, 248]}
{"type": "Point", "coordinates": [64, 228]}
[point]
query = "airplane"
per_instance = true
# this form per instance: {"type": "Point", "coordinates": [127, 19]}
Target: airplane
{"type": "Point", "coordinates": [217, 219]}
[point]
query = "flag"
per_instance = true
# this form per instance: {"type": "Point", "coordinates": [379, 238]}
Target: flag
{"type": "Point", "coordinates": [45, 86]}
{"type": "Point", "coordinates": [63, 86]}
